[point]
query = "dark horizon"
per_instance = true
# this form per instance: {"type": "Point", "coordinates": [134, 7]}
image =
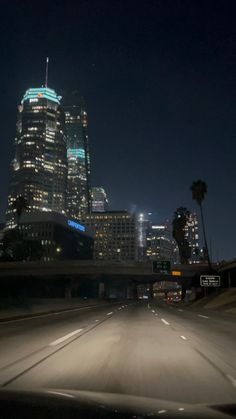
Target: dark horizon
{"type": "Point", "coordinates": [159, 85]}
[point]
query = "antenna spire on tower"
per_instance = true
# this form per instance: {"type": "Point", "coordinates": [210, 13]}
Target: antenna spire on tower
{"type": "Point", "coordinates": [46, 76]}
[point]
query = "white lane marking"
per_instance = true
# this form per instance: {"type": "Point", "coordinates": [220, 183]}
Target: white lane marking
{"type": "Point", "coordinates": [181, 408]}
{"type": "Point", "coordinates": [231, 379]}
{"type": "Point", "coordinates": [96, 320]}
{"type": "Point", "coordinates": [161, 411]}
{"type": "Point", "coordinates": [180, 309]}
{"type": "Point", "coordinates": [183, 337]}
{"type": "Point", "coordinates": [62, 394]}
{"type": "Point", "coordinates": [204, 317]}
{"type": "Point", "coordinates": [153, 311]}
{"type": "Point", "coordinates": [165, 322]}
{"type": "Point", "coordinates": [63, 338]}
{"type": "Point", "coordinates": [108, 314]}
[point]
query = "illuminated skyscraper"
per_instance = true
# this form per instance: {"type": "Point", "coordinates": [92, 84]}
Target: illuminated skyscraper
{"type": "Point", "coordinates": [39, 168]}
{"type": "Point", "coordinates": [79, 200]}
{"type": "Point", "coordinates": [99, 200]}
{"type": "Point", "coordinates": [159, 243]}
{"type": "Point", "coordinates": [192, 236]}
{"type": "Point", "coordinates": [143, 223]}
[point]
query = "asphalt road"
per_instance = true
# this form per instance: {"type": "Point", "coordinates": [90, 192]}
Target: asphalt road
{"type": "Point", "coordinates": [143, 349]}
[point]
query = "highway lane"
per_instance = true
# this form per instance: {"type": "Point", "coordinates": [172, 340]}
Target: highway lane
{"type": "Point", "coordinates": [19, 339]}
{"type": "Point", "coordinates": [141, 349]}
{"type": "Point", "coordinates": [215, 333]}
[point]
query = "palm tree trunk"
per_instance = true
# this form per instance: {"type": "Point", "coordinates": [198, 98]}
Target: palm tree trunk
{"type": "Point", "coordinates": [205, 240]}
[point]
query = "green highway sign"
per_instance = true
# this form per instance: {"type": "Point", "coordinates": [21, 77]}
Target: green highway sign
{"type": "Point", "coordinates": [161, 267]}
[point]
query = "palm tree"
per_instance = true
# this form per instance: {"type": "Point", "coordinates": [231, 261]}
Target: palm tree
{"type": "Point", "coordinates": [199, 190]}
{"type": "Point", "coordinates": [20, 204]}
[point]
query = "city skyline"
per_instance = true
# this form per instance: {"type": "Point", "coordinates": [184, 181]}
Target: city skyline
{"type": "Point", "coordinates": [160, 101]}
{"type": "Point", "coordinates": [51, 168]}
{"type": "Point", "coordinates": [215, 254]}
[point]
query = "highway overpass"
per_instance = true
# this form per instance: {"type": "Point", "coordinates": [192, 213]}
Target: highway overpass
{"type": "Point", "coordinates": [86, 278]}
{"type": "Point", "coordinates": [136, 270]}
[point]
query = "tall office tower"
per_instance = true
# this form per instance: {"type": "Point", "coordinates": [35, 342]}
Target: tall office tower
{"type": "Point", "coordinates": [79, 199]}
{"type": "Point", "coordinates": [192, 236]}
{"type": "Point", "coordinates": [159, 243]}
{"type": "Point", "coordinates": [39, 168]}
{"type": "Point", "coordinates": [143, 223]}
{"type": "Point", "coordinates": [99, 200]}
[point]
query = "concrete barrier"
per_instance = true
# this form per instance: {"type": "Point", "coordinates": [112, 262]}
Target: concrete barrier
{"type": "Point", "coordinates": [20, 307]}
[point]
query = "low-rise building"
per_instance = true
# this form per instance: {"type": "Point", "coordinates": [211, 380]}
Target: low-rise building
{"type": "Point", "coordinates": [60, 237]}
{"type": "Point", "coordinates": [115, 235]}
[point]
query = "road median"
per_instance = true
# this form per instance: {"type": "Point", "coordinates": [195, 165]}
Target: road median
{"type": "Point", "coordinates": [14, 309]}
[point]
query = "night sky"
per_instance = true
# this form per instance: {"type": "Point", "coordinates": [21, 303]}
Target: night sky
{"type": "Point", "coordinates": [159, 79]}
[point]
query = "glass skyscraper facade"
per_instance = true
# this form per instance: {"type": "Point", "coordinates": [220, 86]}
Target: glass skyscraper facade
{"type": "Point", "coordinates": [39, 167]}
{"type": "Point", "coordinates": [99, 200]}
{"type": "Point", "coordinates": [143, 223]}
{"type": "Point", "coordinates": [79, 201]}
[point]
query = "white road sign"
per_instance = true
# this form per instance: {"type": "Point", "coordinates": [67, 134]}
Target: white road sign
{"type": "Point", "coordinates": [210, 281]}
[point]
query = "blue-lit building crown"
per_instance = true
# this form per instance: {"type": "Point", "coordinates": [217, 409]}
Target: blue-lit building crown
{"type": "Point", "coordinates": [41, 93]}
{"type": "Point", "coordinates": [76, 152]}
